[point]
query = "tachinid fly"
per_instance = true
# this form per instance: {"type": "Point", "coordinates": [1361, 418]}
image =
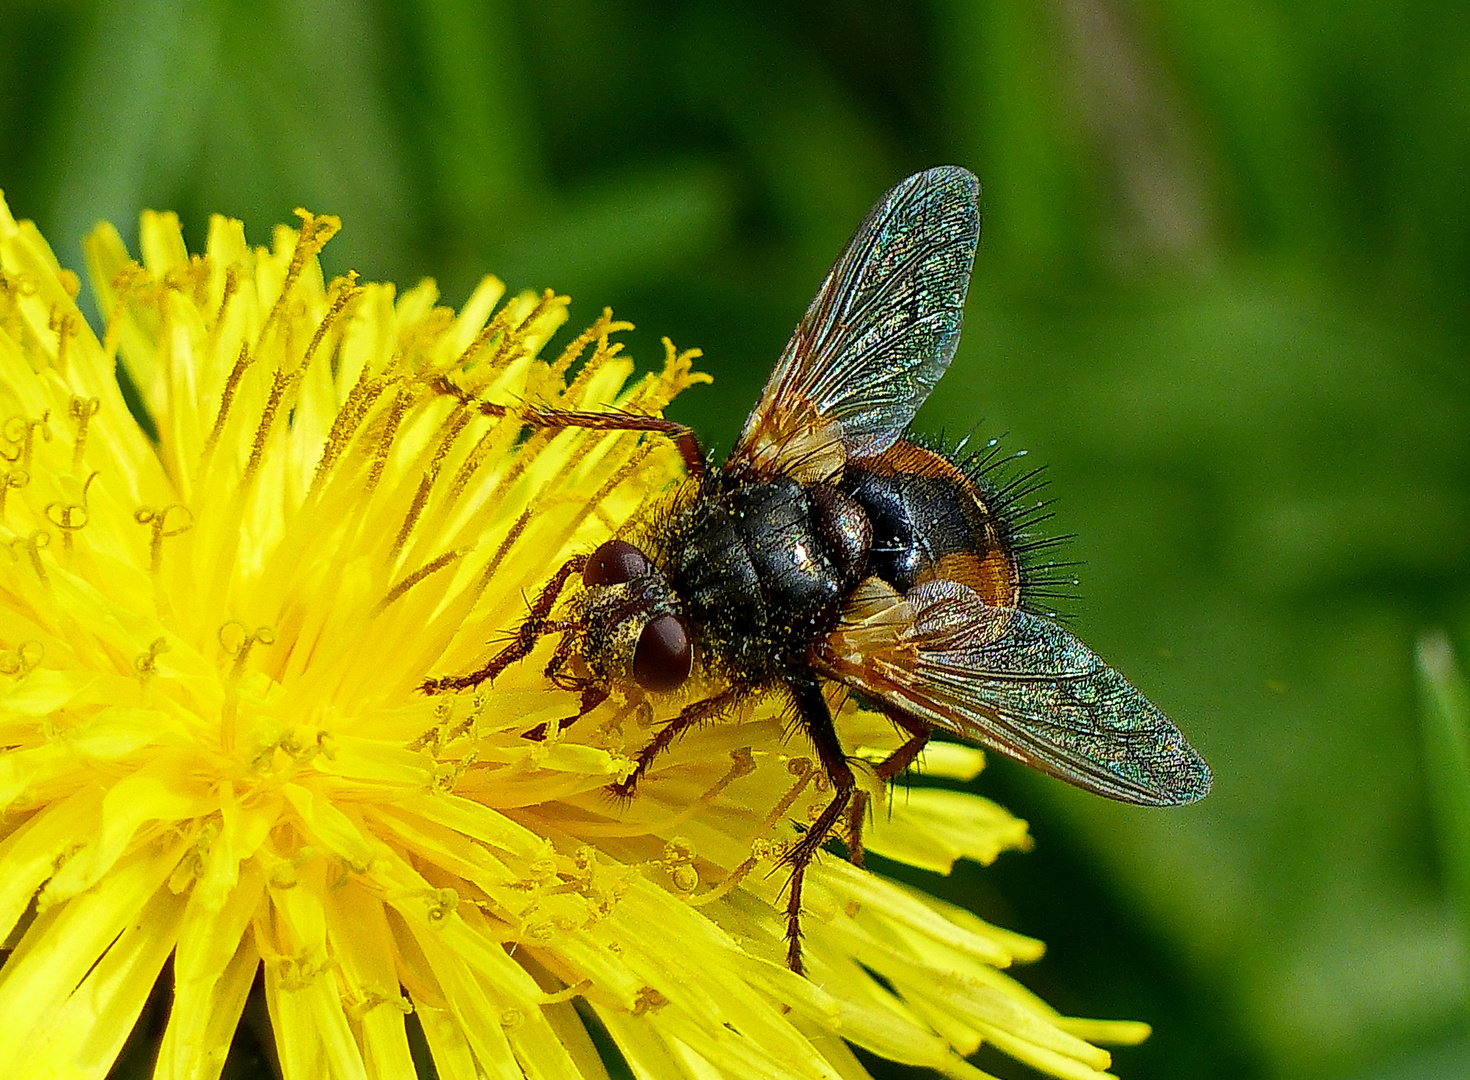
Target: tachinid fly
{"type": "Point", "coordinates": [828, 547]}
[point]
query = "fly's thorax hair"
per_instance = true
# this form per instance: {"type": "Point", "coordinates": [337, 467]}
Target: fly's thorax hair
{"type": "Point", "coordinates": [662, 531]}
{"type": "Point", "coordinates": [1013, 490]}
{"type": "Point", "coordinates": [654, 530]}
{"type": "Point", "coordinates": [932, 522]}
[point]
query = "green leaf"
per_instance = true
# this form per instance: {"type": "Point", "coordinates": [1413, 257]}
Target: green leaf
{"type": "Point", "coordinates": [1445, 707]}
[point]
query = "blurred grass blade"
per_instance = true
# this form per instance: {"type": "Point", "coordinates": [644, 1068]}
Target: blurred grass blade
{"type": "Point", "coordinates": [1445, 707]}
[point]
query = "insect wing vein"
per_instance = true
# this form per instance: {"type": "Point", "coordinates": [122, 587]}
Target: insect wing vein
{"type": "Point", "coordinates": [876, 338]}
{"type": "Point", "coordinates": [1021, 685]}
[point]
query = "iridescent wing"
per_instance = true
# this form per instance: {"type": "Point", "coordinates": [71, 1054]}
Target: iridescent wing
{"type": "Point", "coordinates": [1015, 682]}
{"type": "Point", "coordinates": [876, 338]}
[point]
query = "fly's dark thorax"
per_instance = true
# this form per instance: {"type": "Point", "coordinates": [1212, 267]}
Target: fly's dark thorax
{"type": "Point", "coordinates": [762, 569]}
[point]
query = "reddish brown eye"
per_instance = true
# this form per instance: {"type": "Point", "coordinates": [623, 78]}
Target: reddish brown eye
{"type": "Point", "coordinates": [614, 563]}
{"type": "Point", "coordinates": [664, 656]}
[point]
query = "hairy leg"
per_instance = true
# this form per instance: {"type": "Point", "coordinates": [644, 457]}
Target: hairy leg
{"type": "Point", "coordinates": [593, 693]}
{"type": "Point", "coordinates": [887, 771]}
{"type": "Point", "coordinates": [817, 719]}
{"type": "Point", "coordinates": [694, 713]}
{"type": "Point", "coordinates": [683, 437]}
{"type": "Point", "coordinates": [537, 624]}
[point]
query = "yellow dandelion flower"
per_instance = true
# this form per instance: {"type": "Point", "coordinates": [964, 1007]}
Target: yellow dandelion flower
{"type": "Point", "coordinates": [213, 749]}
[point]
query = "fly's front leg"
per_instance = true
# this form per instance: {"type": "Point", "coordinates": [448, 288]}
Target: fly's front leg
{"type": "Point", "coordinates": [817, 719]}
{"type": "Point", "coordinates": [682, 436]}
{"type": "Point", "coordinates": [593, 693]}
{"type": "Point", "coordinates": [592, 696]}
{"type": "Point", "coordinates": [537, 624]}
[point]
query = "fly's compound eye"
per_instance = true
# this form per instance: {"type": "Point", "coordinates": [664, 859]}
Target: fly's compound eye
{"type": "Point", "coordinates": [664, 655]}
{"type": "Point", "coordinates": [615, 563]}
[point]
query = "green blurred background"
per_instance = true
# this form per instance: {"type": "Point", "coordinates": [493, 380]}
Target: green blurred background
{"type": "Point", "coordinates": [1222, 295]}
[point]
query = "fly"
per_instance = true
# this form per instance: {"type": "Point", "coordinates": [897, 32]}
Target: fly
{"type": "Point", "coordinates": [829, 547]}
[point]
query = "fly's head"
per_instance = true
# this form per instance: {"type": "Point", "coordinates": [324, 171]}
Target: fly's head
{"type": "Point", "coordinates": [633, 630]}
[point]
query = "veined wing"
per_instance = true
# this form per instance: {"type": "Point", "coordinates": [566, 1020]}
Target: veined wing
{"type": "Point", "coordinates": [1015, 682]}
{"type": "Point", "coordinates": [877, 337]}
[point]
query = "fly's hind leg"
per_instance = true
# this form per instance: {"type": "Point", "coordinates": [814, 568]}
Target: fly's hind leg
{"type": "Point", "coordinates": [887, 770]}
{"type": "Point", "coordinates": [817, 719]}
{"type": "Point", "coordinates": [536, 625]}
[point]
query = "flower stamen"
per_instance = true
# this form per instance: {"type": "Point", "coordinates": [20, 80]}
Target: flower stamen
{"type": "Point", "coordinates": [12, 478]}
{"type": "Point", "coordinates": [458, 421]}
{"type": "Point", "coordinates": [598, 332]}
{"type": "Point", "coordinates": [81, 410]}
{"type": "Point", "coordinates": [227, 293]}
{"type": "Point", "coordinates": [802, 769]}
{"type": "Point", "coordinates": [281, 382]}
{"type": "Point", "coordinates": [760, 850]}
{"type": "Point", "coordinates": [23, 659]}
{"type": "Point", "coordinates": [158, 530]}
{"type": "Point", "coordinates": [605, 351]}
{"type": "Point", "coordinates": [499, 324]}
{"type": "Point", "coordinates": [346, 292]}
{"type": "Point", "coordinates": [240, 650]}
{"type": "Point", "coordinates": [64, 323]}
{"type": "Point", "coordinates": [315, 231]}
{"type": "Point", "coordinates": [226, 399]}
{"type": "Point", "coordinates": [20, 432]}
{"type": "Point", "coordinates": [517, 529]}
{"type": "Point", "coordinates": [360, 399]}
{"type": "Point", "coordinates": [629, 468]}
{"type": "Point", "coordinates": [390, 424]}
{"type": "Point", "coordinates": [32, 544]}
{"type": "Point", "coordinates": [145, 664]}
{"type": "Point", "coordinates": [742, 764]}
{"type": "Point", "coordinates": [432, 567]}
